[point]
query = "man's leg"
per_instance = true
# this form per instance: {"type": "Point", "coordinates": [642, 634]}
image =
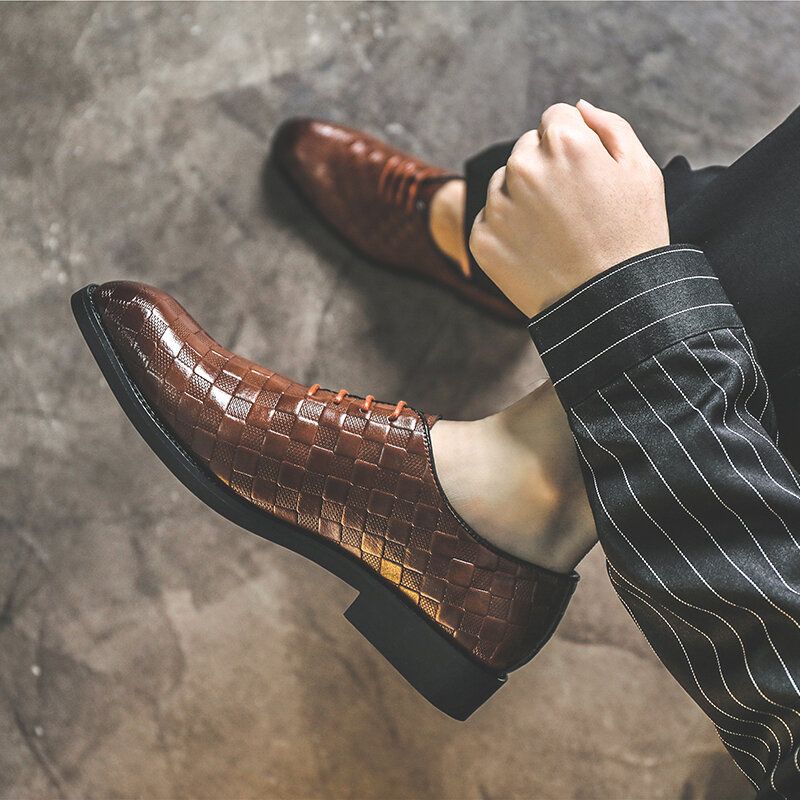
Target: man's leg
{"type": "Point", "coordinates": [526, 486]}
{"type": "Point", "coordinates": [744, 217]}
{"type": "Point", "coordinates": [515, 476]}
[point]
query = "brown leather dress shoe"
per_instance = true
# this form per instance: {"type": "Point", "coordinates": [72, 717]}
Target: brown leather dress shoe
{"type": "Point", "coordinates": [377, 198]}
{"type": "Point", "coordinates": [348, 482]}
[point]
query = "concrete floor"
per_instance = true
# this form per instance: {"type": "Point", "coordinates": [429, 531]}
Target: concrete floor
{"type": "Point", "coordinates": [147, 647]}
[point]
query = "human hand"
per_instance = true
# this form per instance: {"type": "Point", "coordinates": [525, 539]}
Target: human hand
{"type": "Point", "coordinates": [577, 196]}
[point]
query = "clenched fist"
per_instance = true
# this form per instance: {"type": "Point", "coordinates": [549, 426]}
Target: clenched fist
{"type": "Point", "coordinates": [577, 196]}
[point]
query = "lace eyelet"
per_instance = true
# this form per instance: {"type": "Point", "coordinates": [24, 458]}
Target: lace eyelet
{"type": "Point", "coordinates": [365, 407]}
{"type": "Point", "coordinates": [395, 415]}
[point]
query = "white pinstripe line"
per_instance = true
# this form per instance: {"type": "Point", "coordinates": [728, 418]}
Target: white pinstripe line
{"type": "Point", "coordinates": [755, 374]}
{"type": "Point", "coordinates": [736, 470]}
{"type": "Point", "coordinates": [632, 615]}
{"type": "Point", "coordinates": [628, 300]}
{"type": "Point", "coordinates": [719, 547]}
{"type": "Point", "coordinates": [637, 590]}
{"type": "Point", "coordinates": [755, 367]}
{"type": "Point", "coordinates": [744, 575]}
{"type": "Point", "coordinates": [619, 588]}
{"type": "Point", "coordinates": [759, 432]}
{"type": "Point", "coordinates": [608, 274]}
{"type": "Point", "coordinates": [753, 358]}
{"type": "Point", "coordinates": [687, 560]}
{"type": "Point", "coordinates": [644, 635]}
{"type": "Point", "coordinates": [744, 705]}
{"type": "Point", "coordinates": [716, 728]}
{"type": "Point", "coordinates": [739, 749]}
{"type": "Point", "coordinates": [745, 423]}
{"type": "Point", "coordinates": [703, 526]}
{"type": "Point", "coordinates": [751, 353]}
{"type": "Point", "coordinates": [719, 735]}
{"type": "Point", "coordinates": [643, 328]}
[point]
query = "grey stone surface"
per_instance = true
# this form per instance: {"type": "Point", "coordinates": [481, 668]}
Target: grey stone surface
{"type": "Point", "coordinates": [147, 647]}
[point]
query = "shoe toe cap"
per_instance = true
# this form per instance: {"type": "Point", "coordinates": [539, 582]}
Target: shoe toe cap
{"type": "Point", "coordinates": [142, 322]}
{"type": "Point", "coordinates": [306, 148]}
{"type": "Point", "coordinates": [127, 305]}
{"type": "Point", "coordinates": [294, 142]}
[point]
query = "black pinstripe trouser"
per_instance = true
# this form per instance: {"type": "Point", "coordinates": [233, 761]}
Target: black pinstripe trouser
{"type": "Point", "coordinates": [697, 510]}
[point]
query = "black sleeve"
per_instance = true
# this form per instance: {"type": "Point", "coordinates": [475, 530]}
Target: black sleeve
{"type": "Point", "coordinates": [696, 508]}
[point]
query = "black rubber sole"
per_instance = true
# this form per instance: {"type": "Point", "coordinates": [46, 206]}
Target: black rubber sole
{"type": "Point", "coordinates": [427, 658]}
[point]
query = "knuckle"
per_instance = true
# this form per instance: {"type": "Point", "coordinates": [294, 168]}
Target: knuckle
{"type": "Point", "coordinates": [526, 141]}
{"type": "Point", "coordinates": [498, 176]}
{"type": "Point", "coordinates": [652, 171]}
{"type": "Point", "coordinates": [476, 234]}
{"type": "Point", "coordinates": [495, 210]}
{"type": "Point", "coordinates": [479, 239]}
{"type": "Point", "coordinates": [560, 106]}
{"type": "Point", "coordinates": [565, 135]}
{"type": "Point", "coordinates": [519, 167]}
{"type": "Point", "coordinates": [554, 131]}
{"type": "Point", "coordinates": [515, 163]}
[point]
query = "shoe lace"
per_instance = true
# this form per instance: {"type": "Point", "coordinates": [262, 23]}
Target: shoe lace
{"type": "Point", "coordinates": [369, 400]}
{"type": "Point", "coordinates": [400, 181]}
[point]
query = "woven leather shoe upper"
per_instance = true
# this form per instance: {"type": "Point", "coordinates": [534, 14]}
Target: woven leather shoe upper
{"type": "Point", "coordinates": [363, 480]}
{"type": "Point", "coordinates": [377, 197]}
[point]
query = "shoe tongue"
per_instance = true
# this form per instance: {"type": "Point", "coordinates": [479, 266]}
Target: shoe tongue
{"type": "Point", "coordinates": [429, 186]}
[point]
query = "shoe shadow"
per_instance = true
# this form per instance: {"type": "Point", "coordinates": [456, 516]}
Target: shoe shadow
{"type": "Point", "coordinates": [428, 346]}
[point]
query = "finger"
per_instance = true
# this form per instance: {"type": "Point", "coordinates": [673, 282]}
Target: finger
{"type": "Point", "coordinates": [525, 147]}
{"type": "Point", "coordinates": [520, 164]}
{"type": "Point", "coordinates": [615, 132]}
{"type": "Point", "coordinates": [561, 114]}
{"type": "Point", "coordinates": [497, 183]}
{"type": "Point", "coordinates": [529, 141]}
{"type": "Point", "coordinates": [563, 130]}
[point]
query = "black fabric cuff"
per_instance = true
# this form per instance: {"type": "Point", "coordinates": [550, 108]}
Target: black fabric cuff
{"type": "Point", "coordinates": [626, 314]}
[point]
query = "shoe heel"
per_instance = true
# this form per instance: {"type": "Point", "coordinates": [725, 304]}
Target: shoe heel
{"type": "Point", "coordinates": [435, 667]}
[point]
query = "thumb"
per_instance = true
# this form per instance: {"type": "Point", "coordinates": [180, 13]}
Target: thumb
{"type": "Point", "coordinates": [615, 133]}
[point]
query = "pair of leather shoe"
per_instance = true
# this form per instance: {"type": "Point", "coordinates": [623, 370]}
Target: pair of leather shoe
{"type": "Point", "coordinates": [346, 481]}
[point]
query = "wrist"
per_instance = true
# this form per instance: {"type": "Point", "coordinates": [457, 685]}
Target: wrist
{"type": "Point", "coordinates": [604, 258]}
{"type": "Point", "coordinates": [627, 313]}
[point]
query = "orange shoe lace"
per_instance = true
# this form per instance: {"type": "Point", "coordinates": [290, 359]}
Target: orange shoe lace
{"type": "Point", "coordinates": [401, 179]}
{"type": "Point", "coordinates": [364, 407]}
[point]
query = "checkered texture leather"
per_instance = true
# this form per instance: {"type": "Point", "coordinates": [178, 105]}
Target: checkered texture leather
{"type": "Point", "coordinates": [356, 478]}
{"type": "Point", "coordinates": [342, 173]}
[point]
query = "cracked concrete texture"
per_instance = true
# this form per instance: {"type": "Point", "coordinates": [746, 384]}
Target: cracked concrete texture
{"type": "Point", "coordinates": [149, 648]}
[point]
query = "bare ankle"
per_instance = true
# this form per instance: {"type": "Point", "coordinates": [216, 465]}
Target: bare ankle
{"type": "Point", "coordinates": [519, 489]}
{"type": "Point", "coordinates": [446, 221]}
